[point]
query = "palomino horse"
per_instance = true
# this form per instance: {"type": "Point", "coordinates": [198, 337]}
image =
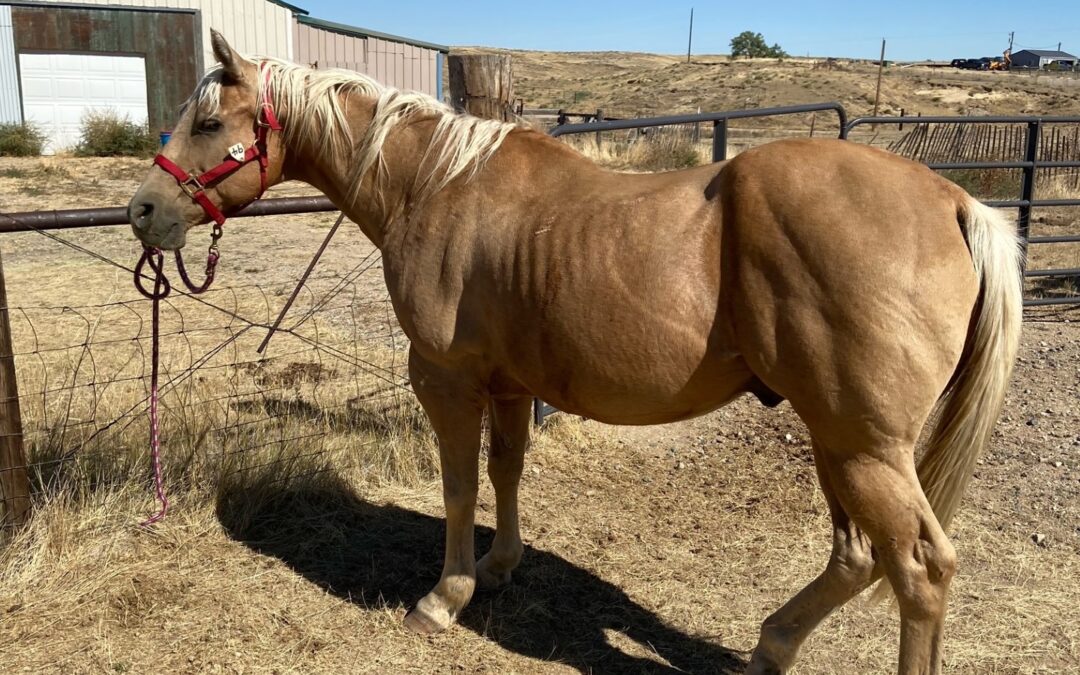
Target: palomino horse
{"type": "Point", "coordinates": [860, 286]}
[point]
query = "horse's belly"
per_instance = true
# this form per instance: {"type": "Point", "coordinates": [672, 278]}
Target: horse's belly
{"type": "Point", "coordinates": [616, 391]}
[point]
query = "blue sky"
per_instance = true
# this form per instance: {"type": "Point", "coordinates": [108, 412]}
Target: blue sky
{"type": "Point", "coordinates": [922, 29]}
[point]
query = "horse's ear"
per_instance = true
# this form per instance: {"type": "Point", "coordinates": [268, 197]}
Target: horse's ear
{"type": "Point", "coordinates": [232, 64]}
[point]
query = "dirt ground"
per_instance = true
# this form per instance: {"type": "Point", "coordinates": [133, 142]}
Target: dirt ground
{"type": "Point", "coordinates": [657, 549]}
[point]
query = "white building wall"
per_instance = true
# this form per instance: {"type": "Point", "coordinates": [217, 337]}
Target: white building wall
{"type": "Point", "coordinates": [252, 27]}
{"type": "Point", "coordinates": [10, 109]}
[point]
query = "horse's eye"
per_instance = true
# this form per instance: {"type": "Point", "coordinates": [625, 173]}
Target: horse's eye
{"type": "Point", "coordinates": [209, 125]}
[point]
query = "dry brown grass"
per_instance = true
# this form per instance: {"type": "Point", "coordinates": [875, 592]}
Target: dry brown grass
{"type": "Point", "coordinates": [646, 549]}
{"type": "Point", "coordinates": [649, 153]}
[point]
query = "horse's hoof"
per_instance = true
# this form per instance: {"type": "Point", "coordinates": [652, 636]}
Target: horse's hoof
{"type": "Point", "coordinates": [762, 666]}
{"type": "Point", "coordinates": [427, 617]}
{"type": "Point", "coordinates": [489, 578]}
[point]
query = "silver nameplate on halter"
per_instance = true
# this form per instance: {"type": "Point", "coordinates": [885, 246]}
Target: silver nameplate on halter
{"type": "Point", "coordinates": [237, 152]}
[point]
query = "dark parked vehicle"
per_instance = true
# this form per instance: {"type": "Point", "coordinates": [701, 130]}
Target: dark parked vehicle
{"type": "Point", "coordinates": [972, 64]}
{"type": "Point", "coordinates": [978, 64]}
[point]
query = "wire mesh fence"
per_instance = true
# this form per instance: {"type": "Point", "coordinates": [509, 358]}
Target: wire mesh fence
{"type": "Point", "coordinates": [332, 378]}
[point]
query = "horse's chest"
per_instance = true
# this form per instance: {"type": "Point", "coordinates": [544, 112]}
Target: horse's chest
{"type": "Point", "coordinates": [427, 307]}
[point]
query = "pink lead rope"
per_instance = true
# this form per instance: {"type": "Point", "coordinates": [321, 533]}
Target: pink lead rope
{"type": "Point", "coordinates": [195, 186]}
{"type": "Point", "coordinates": [156, 260]}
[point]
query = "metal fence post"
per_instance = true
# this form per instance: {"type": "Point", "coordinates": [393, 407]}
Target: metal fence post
{"type": "Point", "coordinates": [719, 140]}
{"type": "Point", "coordinates": [1027, 184]}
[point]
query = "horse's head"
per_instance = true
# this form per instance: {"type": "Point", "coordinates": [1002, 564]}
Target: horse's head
{"type": "Point", "coordinates": [222, 154]}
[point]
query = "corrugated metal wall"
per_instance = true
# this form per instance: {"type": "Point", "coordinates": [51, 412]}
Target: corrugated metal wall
{"type": "Point", "coordinates": [392, 63]}
{"type": "Point", "coordinates": [10, 109]}
{"type": "Point", "coordinates": [253, 27]}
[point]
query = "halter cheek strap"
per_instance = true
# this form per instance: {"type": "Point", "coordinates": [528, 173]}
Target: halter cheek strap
{"type": "Point", "coordinates": [194, 186]}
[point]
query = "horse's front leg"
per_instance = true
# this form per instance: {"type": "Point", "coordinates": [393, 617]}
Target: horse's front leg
{"type": "Point", "coordinates": [455, 405]}
{"type": "Point", "coordinates": [509, 420]}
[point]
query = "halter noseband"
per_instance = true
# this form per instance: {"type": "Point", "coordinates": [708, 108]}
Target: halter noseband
{"type": "Point", "coordinates": [194, 186]}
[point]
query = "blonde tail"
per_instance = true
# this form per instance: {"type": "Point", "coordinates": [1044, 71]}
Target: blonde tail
{"type": "Point", "coordinates": [970, 408]}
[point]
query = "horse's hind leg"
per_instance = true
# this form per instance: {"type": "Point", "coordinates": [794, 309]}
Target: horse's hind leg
{"type": "Point", "coordinates": [509, 421]}
{"type": "Point", "coordinates": [880, 491]}
{"type": "Point", "coordinates": [850, 569]}
{"type": "Point", "coordinates": [455, 405]}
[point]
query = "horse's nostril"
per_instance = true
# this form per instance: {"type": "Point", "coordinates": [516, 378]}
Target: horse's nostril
{"type": "Point", "coordinates": [141, 214]}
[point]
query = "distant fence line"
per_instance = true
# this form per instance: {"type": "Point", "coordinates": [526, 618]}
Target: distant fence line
{"type": "Point", "coordinates": [993, 142]}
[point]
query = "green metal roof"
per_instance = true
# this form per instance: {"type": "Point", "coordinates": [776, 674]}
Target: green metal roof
{"type": "Point", "coordinates": [356, 31]}
{"type": "Point", "coordinates": [294, 8]}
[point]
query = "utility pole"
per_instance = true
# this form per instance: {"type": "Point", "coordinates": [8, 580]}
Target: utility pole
{"type": "Point", "coordinates": [690, 42]}
{"type": "Point", "coordinates": [881, 67]}
{"type": "Point", "coordinates": [1012, 34]}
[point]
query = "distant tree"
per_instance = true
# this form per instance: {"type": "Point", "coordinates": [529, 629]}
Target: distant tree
{"type": "Point", "coordinates": [753, 45]}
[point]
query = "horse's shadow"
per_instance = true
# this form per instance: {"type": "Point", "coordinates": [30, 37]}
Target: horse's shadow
{"type": "Point", "coordinates": [388, 557]}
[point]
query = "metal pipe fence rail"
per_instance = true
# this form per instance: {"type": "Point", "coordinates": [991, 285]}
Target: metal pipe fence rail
{"type": "Point", "coordinates": [719, 121]}
{"type": "Point", "coordinates": [65, 219]}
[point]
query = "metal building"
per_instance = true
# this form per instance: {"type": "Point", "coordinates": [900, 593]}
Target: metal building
{"type": "Point", "coordinates": [10, 108]}
{"type": "Point", "coordinates": [261, 27]}
{"type": "Point", "coordinates": [391, 59]}
{"type": "Point", "coordinates": [1041, 58]}
{"type": "Point", "coordinates": [59, 60]}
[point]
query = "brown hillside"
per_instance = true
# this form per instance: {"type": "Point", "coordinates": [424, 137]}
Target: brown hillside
{"type": "Point", "coordinates": [628, 84]}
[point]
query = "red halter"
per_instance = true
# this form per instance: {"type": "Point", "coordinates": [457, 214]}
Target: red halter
{"type": "Point", "coordinates": [195, 185]}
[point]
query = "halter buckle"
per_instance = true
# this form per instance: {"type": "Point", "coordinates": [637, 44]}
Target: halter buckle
{"type": "Point", "coordinates": [191, 186]}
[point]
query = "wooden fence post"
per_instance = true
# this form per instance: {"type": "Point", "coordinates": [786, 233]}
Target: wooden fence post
{"type": "Point", "coordinates": [14, 480]}
{"type": "Point", "coordinates": [482, 85]}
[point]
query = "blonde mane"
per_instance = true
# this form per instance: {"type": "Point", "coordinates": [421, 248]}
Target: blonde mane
{"type": "Point", "coordinates": [312, 107]}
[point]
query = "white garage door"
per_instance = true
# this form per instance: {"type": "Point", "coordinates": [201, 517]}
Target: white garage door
{"type": "Point", "coordinates": [58, 89]}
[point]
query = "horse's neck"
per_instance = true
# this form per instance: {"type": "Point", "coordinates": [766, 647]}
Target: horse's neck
{"type": "Point", "coordinates": [373, 210]}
